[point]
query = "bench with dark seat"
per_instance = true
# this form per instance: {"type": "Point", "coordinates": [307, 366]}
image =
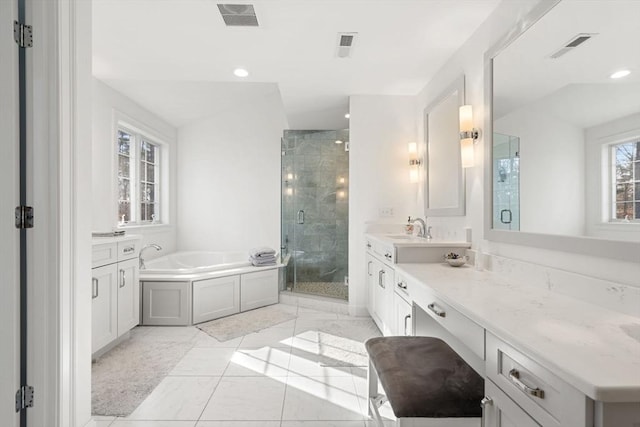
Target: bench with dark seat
{"type": "Point", "coordinates": [425, 381]}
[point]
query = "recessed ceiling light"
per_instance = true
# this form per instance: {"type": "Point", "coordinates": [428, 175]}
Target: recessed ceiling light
{"type": "Point", "coordinates": [338, 141]}
{"type": "Point", "coordinates": [240, 72]}
{"type": "Point", "coordinates": [620, 74]}
{"type": "Point", "coordinates": [346, 116]}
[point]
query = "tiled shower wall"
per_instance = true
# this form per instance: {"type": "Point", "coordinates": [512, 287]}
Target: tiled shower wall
{"type": "Point", "coordinates": [315, 179]}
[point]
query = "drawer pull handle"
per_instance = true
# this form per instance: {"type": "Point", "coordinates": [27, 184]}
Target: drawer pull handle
{"type": "Point", "coordinates": [123, 278]}
{"type": "Point", "coordinates": [380, 279]}
{"type": "Point", "coordinates": [94, 290]}
{"type": "Point", "coordinates": [402, 285]}
{"type": "Point", "coordinates": [369, 267]}
{"type": "Point", "coordinates": [437, 310]}
{"type": "Point", "coordinates": [514, 376]}
{"type": "Point", "coordinates": [406, 318]}
{"type": "Point", "coordinates": [486, 401]}
{"type": "Point", "coordinates": [369, 245]}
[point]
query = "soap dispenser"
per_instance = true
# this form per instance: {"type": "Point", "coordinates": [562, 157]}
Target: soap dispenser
{"type": "Point", "coordinates": [408, 228]}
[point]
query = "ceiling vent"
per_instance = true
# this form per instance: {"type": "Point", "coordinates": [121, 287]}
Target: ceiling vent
{"type": "Point", "coordinates": [572, 44]}
{"type": "Point", "coordinates": [345, 44]}
{"type": "Point", "coordinates": [238, 15]}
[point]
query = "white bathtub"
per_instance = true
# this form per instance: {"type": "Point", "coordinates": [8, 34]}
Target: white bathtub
{"type": "Point", "coordinates": [186, 288]}
{"type": "Point", "coordinates": [195, 262]}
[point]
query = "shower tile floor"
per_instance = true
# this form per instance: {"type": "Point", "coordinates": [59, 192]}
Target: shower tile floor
{"type": "Point", "coordinates": [278, 377]}
{"type": "Point", "coordinates": [325, 289]}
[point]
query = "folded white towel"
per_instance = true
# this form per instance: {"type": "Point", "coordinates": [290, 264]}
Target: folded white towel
{"type": "Point", "coordinates": [263, 261]}
{"type": "Point", "coordinates": [263, 251]}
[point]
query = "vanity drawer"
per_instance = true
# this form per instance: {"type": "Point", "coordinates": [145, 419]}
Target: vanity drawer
{"type": "Point", "coordinates": [463, 328]}
{"type": "Point", "coordinates": [537, 390]}
{"type": "Point", "coordinates": [402, 287]}
{"type": "Point", "coordinates": [128, 249]}
{"type": "Point", "coordinates": [386, 253]}
{"type": "Point", "coordinates": [104, 254]}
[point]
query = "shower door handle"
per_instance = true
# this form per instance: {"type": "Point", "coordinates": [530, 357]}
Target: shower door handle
{"type": "Point", "coordinates": [505, 213]}
{"type": "Point", "coordinates": [300, 216]}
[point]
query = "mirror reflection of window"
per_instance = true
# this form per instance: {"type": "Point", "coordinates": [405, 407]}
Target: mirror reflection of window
{"type": "Point", "coordinates": [626, 185]}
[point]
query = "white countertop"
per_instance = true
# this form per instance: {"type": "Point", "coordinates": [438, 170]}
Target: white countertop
{"type": "Point", "coordinates": [411, 241]}
{"type": "Point", "coordinates": [596, 350]}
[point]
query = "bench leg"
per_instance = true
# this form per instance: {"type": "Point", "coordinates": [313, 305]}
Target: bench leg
{"type": "Point", "coordinates": [374, 399]}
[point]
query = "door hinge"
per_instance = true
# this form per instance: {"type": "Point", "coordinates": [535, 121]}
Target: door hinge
{"type": "Point", "coordinates": [23, 34]}
{"type": "Point", "coordinates": [24, 398]}
{"type": "Point", "coordinates": [24, 217]}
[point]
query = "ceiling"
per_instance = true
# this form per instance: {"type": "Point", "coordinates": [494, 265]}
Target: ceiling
{"type": "Point", "coordinates": [575, 87]}
{"type": "Point", "coordinates": [176, 57]}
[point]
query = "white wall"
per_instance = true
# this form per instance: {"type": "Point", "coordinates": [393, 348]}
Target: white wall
{"type": "Point", "coordinates": [229, 178]}
{"type": "Point", "coordinates": [380, 129]}
{"type": "Point", "coordinates": [597, 200]}
{"type": "Point", "coordinates": [107, 105]}
{"type": "Point", "coordinates": [549, 148]}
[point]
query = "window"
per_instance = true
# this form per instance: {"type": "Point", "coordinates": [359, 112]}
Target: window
{"type": "Point", "coordinates": [626, 181]}
{"type": "Point", "coordinates": [138, 178]}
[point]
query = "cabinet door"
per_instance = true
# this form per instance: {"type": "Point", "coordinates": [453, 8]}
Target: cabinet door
{"type": "Point", "coordinates": [383, 298]}
{"type": "Point", "coordinates": [501, 411]}
{"type": "Point", "coordinates": [371, 284]}
{"type": "Point", "coordinates": [104, 306]}
{"type": "Point", "coordinates": [214, 298]}
{"type": "Point", "coordinates": [128, 295]}
{"type": "Point", "coordinates": [403, 316]}
{"type": "Point", "coordinates": [258, 289]}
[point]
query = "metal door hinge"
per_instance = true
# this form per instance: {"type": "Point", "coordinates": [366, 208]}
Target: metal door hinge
{"type": "Point", "coordinates": [24, 217]}
{"type": "Point", "coordinates": [24, 398]}
{"type": "Point", "coordinates": [23, 34]}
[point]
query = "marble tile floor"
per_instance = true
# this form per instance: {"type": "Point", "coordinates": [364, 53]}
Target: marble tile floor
{"type": "Point", "coordinates": [288, 375]}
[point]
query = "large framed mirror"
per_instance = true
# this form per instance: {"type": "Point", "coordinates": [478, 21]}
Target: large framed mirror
{"type": "Point", "coordinates": [444, 186]}
{"type": "Point", "coordinates": [562, 165]}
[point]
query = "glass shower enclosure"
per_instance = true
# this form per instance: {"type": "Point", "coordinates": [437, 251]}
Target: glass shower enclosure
{"type": "Point", "coordinates": [315, 211]}
{"type": "Point", "coordinates": [506, 182]}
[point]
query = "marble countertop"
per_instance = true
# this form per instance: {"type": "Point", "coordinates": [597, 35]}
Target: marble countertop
{"type": "Point", "coordinates": [163, 277]}
{"type": "Point", "coordinates": [411, 241]}
{"type": "Point", "coordinates": [594, 349]}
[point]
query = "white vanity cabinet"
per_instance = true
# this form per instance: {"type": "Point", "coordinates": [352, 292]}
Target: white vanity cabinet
{"type": "Point", "coordinates": [380, 279]}
{"type": "Point", "coordinates": [539, 393]}
{"type": "Point", "coordinates": [402, 308]}
{"type": "Point", "coordinates": [115, 289]}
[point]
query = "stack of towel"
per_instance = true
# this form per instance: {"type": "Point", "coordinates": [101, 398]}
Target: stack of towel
{"type": "Point", "coordinates": [262, 256]}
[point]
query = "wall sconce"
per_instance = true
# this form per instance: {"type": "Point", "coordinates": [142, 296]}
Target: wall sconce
{"type": "Point", "coordinates": [414, 163]}
{"type": "Point", "coordinates": [468, 135]}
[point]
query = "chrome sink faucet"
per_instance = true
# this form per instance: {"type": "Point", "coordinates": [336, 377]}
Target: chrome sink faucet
{"type": "Point", "coordinates": [424, 232]}
{"type": "Point", "coordinates": [152, 245]}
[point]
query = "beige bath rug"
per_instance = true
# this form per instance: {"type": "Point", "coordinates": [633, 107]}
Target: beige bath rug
{"type": "Point", "coordinates": [124, 377]}
{"type": "Point", "coordinates": [245, 323]}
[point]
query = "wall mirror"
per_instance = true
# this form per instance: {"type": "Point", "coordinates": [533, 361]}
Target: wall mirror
{"type": "Point", "coordinates": [444, 187]}
{"type": "Point", "coordinates": [562, 166]}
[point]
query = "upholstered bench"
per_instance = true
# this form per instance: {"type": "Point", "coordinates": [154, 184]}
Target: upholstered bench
{"type": "Point", "coordinates": [425, 382]}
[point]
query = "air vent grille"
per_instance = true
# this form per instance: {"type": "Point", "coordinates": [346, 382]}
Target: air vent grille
{"type": "Point", "coordinates": [238, 15]}
{"type": "Point", "coordinates": [345, 44]}
{"type": "Point", "coordinates": [346, 40]}
{"type": "Point", "coordinates": [571, 44]}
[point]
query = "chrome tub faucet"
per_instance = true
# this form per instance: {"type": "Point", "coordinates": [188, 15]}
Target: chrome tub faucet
{"type": "Point", "coordinates": [152, 245]}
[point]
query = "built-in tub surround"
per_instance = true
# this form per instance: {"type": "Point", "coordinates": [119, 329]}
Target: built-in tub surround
{"type": "Point", "coordinates": [187, 288]}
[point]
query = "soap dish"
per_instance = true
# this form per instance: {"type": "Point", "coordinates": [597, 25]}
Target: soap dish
{"type": "Point", "coordinates": [455, 260]}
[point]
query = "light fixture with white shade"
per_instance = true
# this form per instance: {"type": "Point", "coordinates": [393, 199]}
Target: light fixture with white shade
{"type": "Point", "coordinates": [241, 72]}
{"type": "Point", "coordinates": [468, 135]}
